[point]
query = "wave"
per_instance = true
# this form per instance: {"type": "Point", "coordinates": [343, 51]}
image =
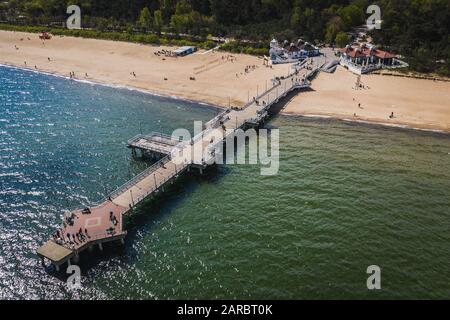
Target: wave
{"type": "Point", "coordinates": [367, 122]}
{"type": "Point", "coordinates": [111, 85]}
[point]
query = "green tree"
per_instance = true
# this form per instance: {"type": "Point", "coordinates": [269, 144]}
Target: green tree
{"type": "Point", "coordinates": [342, 39]}
{"type": "Point", "coordinates": [158, 21]}
{"type": "Point", "coordinates": [407, 24]}
{"type": "Point", "coordinates": [34, 9]}
{"type": "Point", "coordinates": [145, 19]}
{"type": "Point", "coordinates": [296, 18]}
{"type": "Point", "coordinates": [334, 26]}
{"type": "Point", "coordinates": [167, 8]}
{"type": "Point", "coordinates": [351, 16]}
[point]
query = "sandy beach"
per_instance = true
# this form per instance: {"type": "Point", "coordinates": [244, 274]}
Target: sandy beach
{"type": "Point", "coordinates": [113, 62]}
{"type": "Point", "coordinates": [221, 80]}
{"type": "Point", "coordinates": [422, 104]}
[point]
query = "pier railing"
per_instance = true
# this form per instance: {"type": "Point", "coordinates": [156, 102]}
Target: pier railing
{"type": "Point", "coordinates": [258, 97]}
{"type": "Point", "coordinates": [282, 83]}
{"type": "Point", "coordinates": [178, 169]}
{"type": "Point", "coordinates": [213, 122]}
{"type": "Point", "coordinates": [154, 136]}
{"type": "Point", "coordinates": [282, 86]}
{"type": "Point", "coordinates": [92, 238]}
{"type": "Point", "coordinates": [147, 172]}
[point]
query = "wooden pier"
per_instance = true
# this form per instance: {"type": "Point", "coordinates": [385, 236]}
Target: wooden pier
{"type": "Point", "coordinates": [86, 228]}
{"type": "Point", "coordinates": [154, 144]}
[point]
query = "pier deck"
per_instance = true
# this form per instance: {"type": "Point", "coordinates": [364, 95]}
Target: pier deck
{"type": "Point", "coordinates": [86, 227]}
{"type": "Point", "coordinates": [56, 253]}
{"type": "Point", "coordinates": [153, 143]}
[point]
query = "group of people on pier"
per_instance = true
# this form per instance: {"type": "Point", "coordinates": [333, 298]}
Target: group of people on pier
{"type": "Point", "coordinates": [71, 240]}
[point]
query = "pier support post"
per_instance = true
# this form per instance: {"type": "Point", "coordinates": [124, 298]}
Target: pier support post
{"type": "Point", "coordinates": [69, 262]}
{"type": "Point", "coordinates": [91, 248]}
{"type": "Point", "coordinates": [57, 267]}
{"type": "Point", "coordinates": [122, 240]}
{"type": "Point", "coordinates": [100, 246]}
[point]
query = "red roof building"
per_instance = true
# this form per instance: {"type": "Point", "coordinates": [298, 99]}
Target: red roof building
{"type": "Point", "coordinates": [366, 58]}
{"type": "Point", "coordinates": [366, 55]}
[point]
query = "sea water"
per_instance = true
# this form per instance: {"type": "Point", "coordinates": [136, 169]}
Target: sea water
{"type": "Point", "coordinates": [347, 196]}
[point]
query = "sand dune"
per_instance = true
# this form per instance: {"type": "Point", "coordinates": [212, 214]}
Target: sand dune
{"type": "Point", "coordinates": [220, 81]}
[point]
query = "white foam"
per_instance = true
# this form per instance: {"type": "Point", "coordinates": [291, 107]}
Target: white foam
{"type": "Point", "coordinates": [110, 85]}
{"type": "Point", "coordinates": [384, 124]}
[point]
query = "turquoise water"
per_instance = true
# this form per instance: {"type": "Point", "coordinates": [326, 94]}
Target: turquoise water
{"type": "Point", "coordinates": [347, 196]}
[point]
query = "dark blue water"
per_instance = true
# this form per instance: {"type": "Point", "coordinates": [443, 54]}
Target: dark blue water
{"type": "Point", "coordinates": [346, 197]}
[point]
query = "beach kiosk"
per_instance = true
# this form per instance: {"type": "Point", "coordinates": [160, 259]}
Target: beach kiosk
{"type": "Point", "coordinates": [184, 51]}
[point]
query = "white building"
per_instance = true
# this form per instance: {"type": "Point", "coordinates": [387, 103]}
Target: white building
{"type": "Point", "coordinates": [365, 58]}
{"type": "Point", "coordinates": [291, 52]}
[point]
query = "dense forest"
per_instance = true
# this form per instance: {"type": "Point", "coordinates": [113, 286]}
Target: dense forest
{"type": "Point", "coordinates": [417, 29]}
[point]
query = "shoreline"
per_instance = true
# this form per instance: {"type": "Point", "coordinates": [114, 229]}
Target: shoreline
{"type": "Point", "coordinates": [410, 76]}
{"type": "Point", "coordinates": [209, 105]}
{"type": "Point", "coordinates": [367, 122]}
{"type": "Point", "coordinates": [416, 104]}
{"type": "Point", "coordinates": [219, 83]}
{"type": "Point", "coordinates": [116, 61]}
{"type": "Point", "coordinates": [384, 125]}
{"type": "Point", "coordinates": [113, 85]}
